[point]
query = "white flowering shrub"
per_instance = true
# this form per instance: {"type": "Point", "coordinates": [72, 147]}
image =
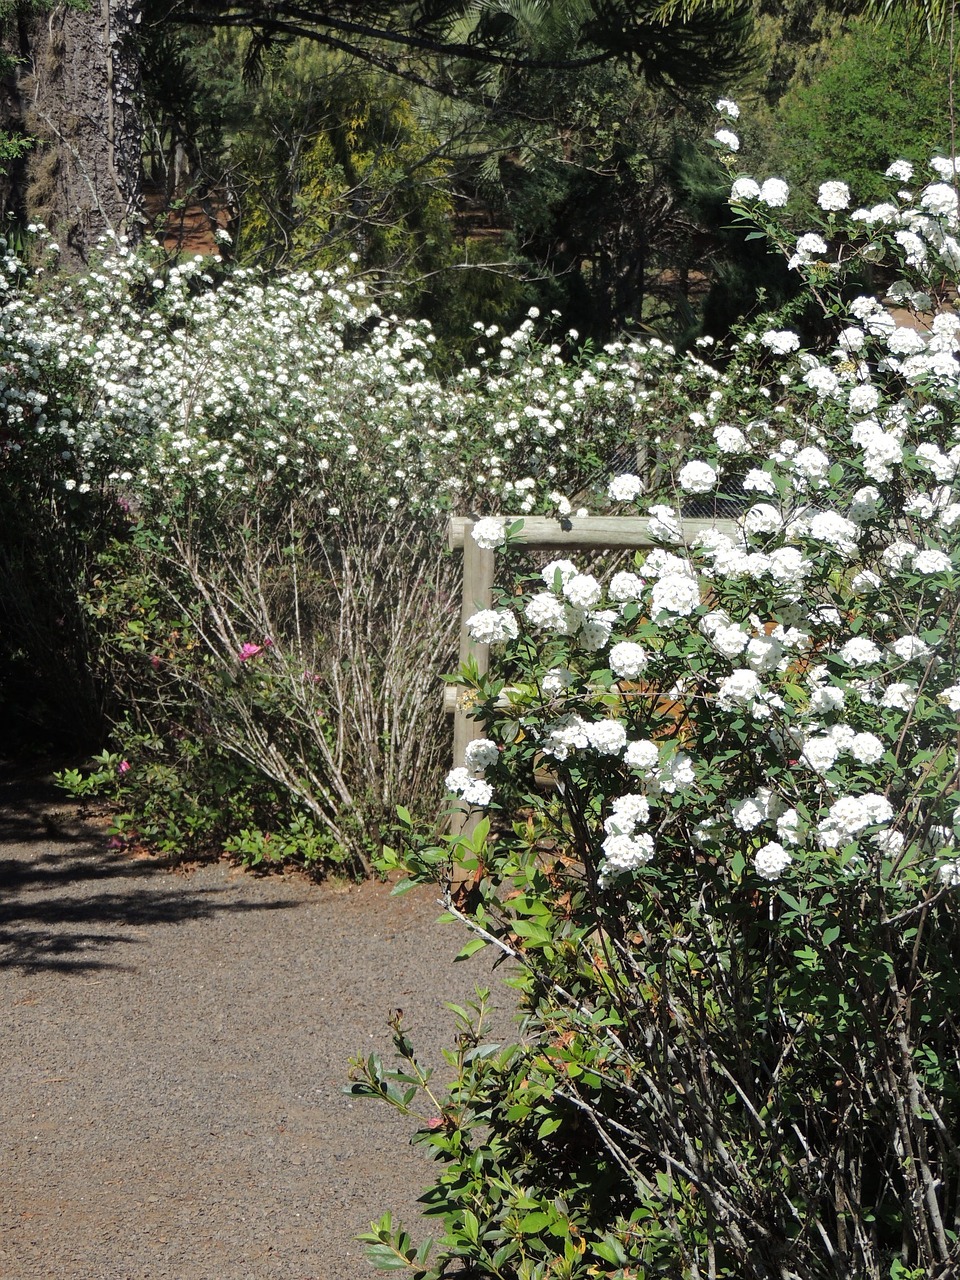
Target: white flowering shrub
{"type": "Point", "coordinates": [734, 913]}
{"type": "Point", "coordinates": [241, 484]}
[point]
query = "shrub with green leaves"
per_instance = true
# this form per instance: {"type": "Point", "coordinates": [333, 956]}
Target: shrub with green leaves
{"type": "Point", "coordinates": [732, 916]}
{"type": "Point", "coordinates": [245, 479]}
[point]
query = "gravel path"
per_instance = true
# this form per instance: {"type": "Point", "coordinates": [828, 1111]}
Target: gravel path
{"type": "Point", "coordinates": [173, 1048]}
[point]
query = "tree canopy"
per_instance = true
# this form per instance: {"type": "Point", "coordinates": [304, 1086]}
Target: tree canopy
{"type": "Point", "coordinates": [676, 46]}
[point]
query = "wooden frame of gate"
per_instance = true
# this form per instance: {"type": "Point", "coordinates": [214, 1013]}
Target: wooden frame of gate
{"type": "Point", "coordinates": [537, 533]}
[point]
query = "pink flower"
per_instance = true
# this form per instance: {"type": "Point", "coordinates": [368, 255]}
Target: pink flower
{"type": "Point", "coordinates": [125, 766]}
{"type": "Point", "coordinates": [155, 662]}
{"type": "Point", "coordinates": [250, 650]}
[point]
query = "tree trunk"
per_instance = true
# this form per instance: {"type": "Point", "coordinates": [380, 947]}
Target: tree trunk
{"type": "Point", "coordinates": [78, 90]}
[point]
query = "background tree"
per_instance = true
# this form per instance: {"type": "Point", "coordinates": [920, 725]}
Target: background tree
{"type": "Point", "coordinates": [700, 44]}
{"type": "Point", "coordinates": [878, 96]}
{"type": "Point", "coordinates": [72, 85]}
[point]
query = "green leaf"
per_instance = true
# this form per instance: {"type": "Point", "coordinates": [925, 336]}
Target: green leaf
{"type": "Point", "coordinates": [831, 934]}
{"type": "Point", "coordinates": [610, 1249]}
{"type": "Point", "coordinates": [550, 1125]}
{"type": "Point", "coordinates": [531, 1224]}
{"type": "Point", "coordinates": [471, 948]}
{"type": "Point", "coordinates": [384, 1258]}
{"type": "Point", "coordinates": [471, 1226]}
{"type": "Point", "coordinates": [791, 901]}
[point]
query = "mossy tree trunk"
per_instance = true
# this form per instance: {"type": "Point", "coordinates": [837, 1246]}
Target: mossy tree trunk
{"type": "Point", "coordinates": [77, 92]}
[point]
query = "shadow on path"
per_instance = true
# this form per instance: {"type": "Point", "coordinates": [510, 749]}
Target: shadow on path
{"type": "Point", "coordinates": [66, 900]}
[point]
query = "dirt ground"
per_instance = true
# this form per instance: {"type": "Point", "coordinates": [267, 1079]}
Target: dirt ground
{"type": "Point", "coordinates": [173, 1050]}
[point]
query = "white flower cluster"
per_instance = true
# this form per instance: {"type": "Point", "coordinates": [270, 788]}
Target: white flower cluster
{"type": "Point", "coordinates": [771, 860]}
{"type": "Point", "coordinates": [625, 850]}
{"type": "Point", "coordinates": [493, 626]}
{"type": "Point", "coordinates": [812, 632]}
{"type": "Point", "coordinates": [468, 780]}
{"type": "Point", "coordinates": [226, 381]}
{"type": "Point", "coordinates": [850, 815]}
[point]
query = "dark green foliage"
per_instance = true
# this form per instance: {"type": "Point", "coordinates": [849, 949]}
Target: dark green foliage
{"type": "Point", "coordinates": [588, 191]}
{"type": "Point", "coordinates": [880, 96]}
{"type": "Point", "coordinates": [745, 276]}
{"type": "Point", "coordinates": [700, 48]}
{"type": "Point", "coordinates": [48, 694]}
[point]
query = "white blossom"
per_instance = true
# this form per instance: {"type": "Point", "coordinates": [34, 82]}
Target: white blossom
{"type": "Point", "coordinates": [677, 773]}
{"type": "Point", "coordinates": [940, 199]}
{"type": "Point", "coordinates": [931, 561]}
{"type": "Point", "coordinates": [780, 341]}
{"type": "Point", "coordinates": [608, 737]}
{"type": "Point", "coordinates": [628, 812]}
{"type": "Point", "coordinates": [546, 612]}
{"type": "Point", "coordinates": [774, 193]}
{"type": "Point", "coordinates": [730, 439]}
{"type": "Point", "coordinates": [493, 626]}
{"type": "Point", "coordinates": [900, 170]}
{"type": "Point", "coordinates": [697, 477]}
{"type": "Point", "coordinates": [625, 586]}
{"type": "Point", "coordinates": [490, 532]}
{"type": "Point", "coordinates": [628, 660]}
{"type": "Point", "coordinates": [566, 569]}
{"type": "Point", "coordinates": [899, 696]}
{"type": "Point", "coordinates": [480, 754]}
{"type": "Point", "coordinates": [623, 854]}
{"type": "Point", "coordinates": [642, 756]}
{"type": "Point", "coordinates": [833, 196]}
{"type": "Point", "coordinates": [762, 519]}
{"type": "Point", "coordinates": [850, 815]}
{"type": "Point", "coordinates": [860, 651]}
{"type": "Point", "coordinates": [596, 629]}
{"type": "Point", "coordinates": [771, 860]}
{"type": "Point", "coordinates": [565, 735]}
{"type": "Point", "coordinates": [744, 189]}
{"type": "Point", "coordinates": [866, 748]}
{"type": "Point", "coordinates": [809, 248]}
{"type": "Point", "coordinates": [582, 590]}
{"type": "Point", "coordinates": [664, 523]}
{"type": "Point", "coordinates": [760, 482]}
{"type": "Point", "coordinates": [624, 488]}
{"type": "Point", "coordinates": [675, 593]}
{"type": "Point", "coordinates": [790, 828]}
{"type": "Point", "coordinates": [471, 789]}
{"type": "Point", "coordinates": [820, 753]}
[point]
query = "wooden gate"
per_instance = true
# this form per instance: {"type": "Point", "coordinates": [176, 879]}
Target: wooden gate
{"type": "Point", "coordinates": [537, 533]}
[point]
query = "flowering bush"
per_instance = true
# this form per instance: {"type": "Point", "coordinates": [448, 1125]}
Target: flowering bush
{"type": "Point", "coordinates": [733, 916]}
{"type": "Point", "coordinates": [244, 480]}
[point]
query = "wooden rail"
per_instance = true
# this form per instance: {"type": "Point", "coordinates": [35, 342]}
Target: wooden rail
{"type": "Point", "coordinates": [538, 533]}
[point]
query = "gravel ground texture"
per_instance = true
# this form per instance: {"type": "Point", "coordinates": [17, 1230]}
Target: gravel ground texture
{"type": "Point", "coordinates": [173, 1050]}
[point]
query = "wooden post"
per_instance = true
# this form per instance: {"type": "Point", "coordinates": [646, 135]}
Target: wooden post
{"type": "Point", "coordinates": [538, 533]}
{"type": "Point", "coordinates": [478, 565]}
